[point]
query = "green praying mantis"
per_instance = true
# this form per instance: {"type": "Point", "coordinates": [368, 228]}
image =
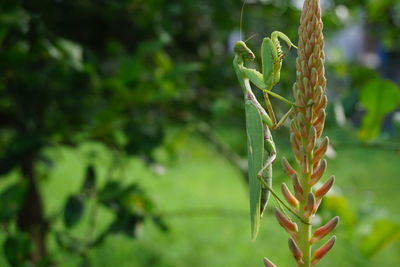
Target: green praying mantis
{"type": "Point", "coordinates": [261, 147]}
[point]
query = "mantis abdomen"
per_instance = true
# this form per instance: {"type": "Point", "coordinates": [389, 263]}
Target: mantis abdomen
{"type": "Point", "coordinates": [255, 145]}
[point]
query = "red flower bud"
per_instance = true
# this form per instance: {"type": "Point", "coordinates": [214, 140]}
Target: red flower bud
{"type": "Point", "coordinates": [318, 94]}
{"type": "Point", "coordinates": [294, 129]}
{"type": "Point", "coordinates": [296, 252]}
{"type": "Point", "coordinates": [321, 150]}
{"type": "Point", "coordinates": [289, 226]}
{"type": "Point", "coordinates": [287, 167]}
{"type": "Point", "coordinates": [318, 172]}
{"type": "Point", "coordinates": [321, 252]}
{"type": "Point", "coordinates": [268, 263]}
{"type": "Point", "coordinates": [298, 190]}
{"type": "Point", "coordinates": [324, 230]}
{"type": "Point", "coordinates": [310, 207]}
{"type": "Point", "coordinates": [295, 147]}
{"type": "Point", "coordinates": [312, 138]}
{"type": "Point", "coordinates": [320, 192]}
{"type": "Point", "coordinates": [289, 197]}
{"type": "Point", "coordinates": [321, 106]}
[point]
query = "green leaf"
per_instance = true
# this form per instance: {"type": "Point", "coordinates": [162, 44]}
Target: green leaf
{"type": "Point", "coordinates": [134, 200]}
{"type": "Point", "coordinates": [73, 211]}
{"type": "Point", "coordinates": [90, 179]}
{"type": "Point", "coordinates": [110, 193]}
{"type": "Point", "coordinates": [69, 243]}
{"type": "Point", "coordinates": [370, 127]}
{"type": "Point", "coordinates": [17, 249]}
{"type": "Point", "coordinates": [382, 234]}
{"type": "Point", "coordinates": [10, 201]}
{"type": "Point", "coordinates": [160, 223]}
{"type": "Point", "coordinates": [131, 198]}
{"type": "Point", "coordinates": [379, 97]}
{"type": "Point", "coordinates": [128, 224]}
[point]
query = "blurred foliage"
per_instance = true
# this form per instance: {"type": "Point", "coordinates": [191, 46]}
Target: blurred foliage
{"type": "Point", "coordinates": [383, 233]}
{"type": "Point", "coordinates": [10, 199]}
{"type": "Point", "coordinates": [379, 97]}
{"type": "Point", "coordinates": [17, 249]}
{"type": "Point", "coordinates": [371, 231]}
{"type": "Point", "coordinates": [123, 73]}
{"type": "Point", "coordinates": [103, 73]}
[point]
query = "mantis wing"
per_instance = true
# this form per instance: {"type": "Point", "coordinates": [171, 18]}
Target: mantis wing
{"type": "Point", "coordinates": [255, 150]}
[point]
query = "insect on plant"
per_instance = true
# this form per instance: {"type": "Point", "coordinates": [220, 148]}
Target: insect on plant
{"type": "Point", "coordinates": [260, 145]}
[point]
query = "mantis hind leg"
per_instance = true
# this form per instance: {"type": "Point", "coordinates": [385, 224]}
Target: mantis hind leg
{"type": "Point", "coordinates": [265, 174]}
{"type": "Point", "coordinates": [268, 163]}
{"type": "Point", "coordinates": [266, 190]}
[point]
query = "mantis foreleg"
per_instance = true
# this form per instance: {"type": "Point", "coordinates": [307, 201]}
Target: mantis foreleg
{"type": "Point", "coordinates": [271, 59]}
{"type": "Point", "coordinates": [271, 62]}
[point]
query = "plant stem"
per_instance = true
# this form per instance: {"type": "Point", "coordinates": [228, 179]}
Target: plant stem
{"type": "Point", "coordinates": [305, 229]}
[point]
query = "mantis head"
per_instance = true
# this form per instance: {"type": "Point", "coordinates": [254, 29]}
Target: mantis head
{"type": "Point", "coordinates": [243, 51]}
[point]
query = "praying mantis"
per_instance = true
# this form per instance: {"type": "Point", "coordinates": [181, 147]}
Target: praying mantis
{"type": "Point", "coordinates": [261, 147]}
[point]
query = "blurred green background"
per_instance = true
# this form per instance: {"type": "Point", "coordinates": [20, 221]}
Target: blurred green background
{"type": "Point", "coordinates": [122, 137]}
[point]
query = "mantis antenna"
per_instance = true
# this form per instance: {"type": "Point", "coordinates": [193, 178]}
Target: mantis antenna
{"type": "Point", "coordinates": [241, 19]}
{"type": "Point", "coordinates": [241, 24]}
{"type": "Point", "coordinates": [251, 37]}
